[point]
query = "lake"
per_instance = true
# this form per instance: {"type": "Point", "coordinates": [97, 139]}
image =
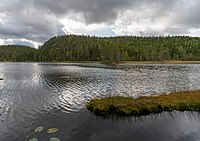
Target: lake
{"type": "Point", "coordinates": [53, 95]}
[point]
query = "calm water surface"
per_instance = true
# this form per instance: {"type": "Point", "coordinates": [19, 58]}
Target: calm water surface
{"type": "Point", "coordinates": [55, 94]}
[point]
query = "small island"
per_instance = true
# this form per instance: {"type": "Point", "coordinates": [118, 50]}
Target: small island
{"type": "Point", "coordinates": [145, 105]}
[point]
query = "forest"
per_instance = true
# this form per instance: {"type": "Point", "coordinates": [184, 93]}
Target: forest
{"type": "Point", "coordinates": [17, 53]}
{"type": "Point", "coordinates": [107, 49]}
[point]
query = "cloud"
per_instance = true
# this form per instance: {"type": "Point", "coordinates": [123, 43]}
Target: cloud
{"type": "Point", "coordinates": [38, 20]}
{"type": "Point", "coordinates": [94, 11]}
{"type": "Point", "coordinates": [21, 20]}
{"type": "Point", "coordinates": [179, 17]}
{"type": "Point", "coordinates": [20, 42]}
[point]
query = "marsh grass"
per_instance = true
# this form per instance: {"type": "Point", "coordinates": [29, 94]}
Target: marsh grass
{"type": "Point", "coordinates": [145, 105]}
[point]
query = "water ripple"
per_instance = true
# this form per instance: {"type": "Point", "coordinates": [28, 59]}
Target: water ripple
{"type": "Point", "coordinates": [32, 90]}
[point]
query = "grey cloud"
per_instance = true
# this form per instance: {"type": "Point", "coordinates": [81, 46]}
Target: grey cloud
{"type": "Point", "coordinates": [188, 16]}
{"type": "Point", "coordinates": [38, 20]}
{"type": "Point", "coordinates": [22, 20]}
{"type": "Point", "coordinates": [97, 11]}
{"type": "Point", "coordinates": [28, 23]}
{"type": "Point", "coordinates": [94, 11]}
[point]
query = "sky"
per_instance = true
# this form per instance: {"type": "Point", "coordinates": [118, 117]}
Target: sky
{"type": "Point", "coordinates": [32, 22]}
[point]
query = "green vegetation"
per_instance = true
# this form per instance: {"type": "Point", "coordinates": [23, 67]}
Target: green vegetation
{"type": "Point", "coordinates": [116, 49]}
{"type": "Point", "coordinates": [126, 106]}
{"type": "Point", "coordinates": [108, 50]}
{"type": "Point", "coordinates": [40, 130]}
{"type": "Point", "coordinates": [16, 53]}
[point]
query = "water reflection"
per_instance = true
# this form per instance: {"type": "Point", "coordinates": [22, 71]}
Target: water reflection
{"type": "Point", "coordinates": [165, 127]}
{"type": "Point", "coordinates": [55, 94]}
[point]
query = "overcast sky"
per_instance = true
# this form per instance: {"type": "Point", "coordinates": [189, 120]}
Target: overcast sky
{"type": "Point", "coordinates": [31, 22]}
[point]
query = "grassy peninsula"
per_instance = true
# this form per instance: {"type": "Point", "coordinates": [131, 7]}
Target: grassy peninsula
{"type": "Point", "coordinates": [145, 105]}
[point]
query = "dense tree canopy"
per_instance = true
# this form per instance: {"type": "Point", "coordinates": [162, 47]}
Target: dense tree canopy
{"type": "Point", "coordinates": [112, 49]}
{"type": "Point", "coordinates": [84, 48]}
{"type": "Point", "coordinates": [17, 53]}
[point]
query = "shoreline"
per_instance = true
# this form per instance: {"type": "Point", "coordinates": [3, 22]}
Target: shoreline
{"type": "Point", "coordinates": [145, 105]}
{"type": "Point", "coordinates": [160, 62]}
{"type": "Point", "coordinates": [114, 63]}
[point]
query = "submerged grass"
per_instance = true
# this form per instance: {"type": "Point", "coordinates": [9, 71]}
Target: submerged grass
{"type": "Point", "coordinates": [145, 105]}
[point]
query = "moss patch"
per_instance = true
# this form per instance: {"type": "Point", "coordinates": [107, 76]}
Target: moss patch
{"type": "Point", "coordinates": [145, 105]}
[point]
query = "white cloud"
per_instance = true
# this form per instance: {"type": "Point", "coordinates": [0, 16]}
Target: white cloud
{"type": "Point", "coordinates": [1, 41]}
{"type": "Point", "coordinates": [151, 20]}
{"type": "Point", "coordinates": [139, 22]}
{"type": "Point", "coordinates": [20, 42]}
{"type": "Point", "coordinates": [194, 32]}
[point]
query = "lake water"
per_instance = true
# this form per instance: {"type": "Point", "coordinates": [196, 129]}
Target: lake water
{"type": "Point", "coordinates": [55, 94]}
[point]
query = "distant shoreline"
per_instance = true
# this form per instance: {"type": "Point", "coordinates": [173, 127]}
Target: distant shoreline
{"type": "Point", "coordinates": [117, 63]}
{"type": "Point", "coordinates": [160, 62]}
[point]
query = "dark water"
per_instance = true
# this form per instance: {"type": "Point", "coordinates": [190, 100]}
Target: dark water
{"type": "Point", "coordinates": [54, 95]}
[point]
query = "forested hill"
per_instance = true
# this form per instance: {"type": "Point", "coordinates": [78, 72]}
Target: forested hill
{"type": "Point", "coordinates": [85, 48]}
{"type": "Point", "coordinates": [17, 53]}
{"type": "Point", "coordinates": [113, 49]}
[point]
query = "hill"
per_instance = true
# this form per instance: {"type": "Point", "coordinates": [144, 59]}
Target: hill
{"type": "Point", "coordinates": [17, 53]}
{"type": "Point", "coordinates": [85, 48]}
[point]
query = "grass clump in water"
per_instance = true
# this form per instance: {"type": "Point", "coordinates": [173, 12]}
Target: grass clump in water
{"type": "Point", "coordinates": [145, 105]}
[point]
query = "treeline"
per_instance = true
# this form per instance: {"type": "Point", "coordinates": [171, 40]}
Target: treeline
{"type": "Point", "coordinates": [85, 48]}
{"type": "Point", "coordinates": [114, 49]}
{"type": "Point", "coordinates": [17, 53]}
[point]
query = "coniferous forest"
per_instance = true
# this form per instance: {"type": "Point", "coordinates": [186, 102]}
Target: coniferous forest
{"type": "Point", "coordinates": [17, 53]}
{"type": "Point", "coordinates": [112, 49]}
